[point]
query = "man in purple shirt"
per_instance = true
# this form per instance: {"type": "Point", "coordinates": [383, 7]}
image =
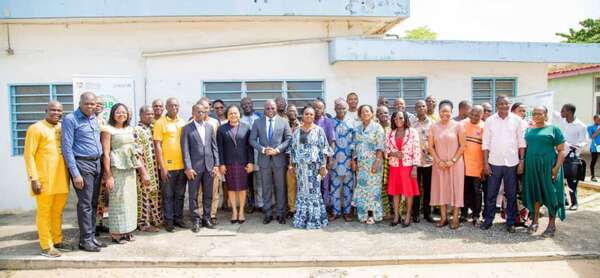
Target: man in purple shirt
{"type": "Point", "coordinates": [328, 125]}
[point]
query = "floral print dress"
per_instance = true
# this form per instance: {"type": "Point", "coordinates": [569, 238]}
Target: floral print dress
{"type": "Point", "coordinates": [308, 152]}
{"type": "Point", "coordinates": [367, 194]}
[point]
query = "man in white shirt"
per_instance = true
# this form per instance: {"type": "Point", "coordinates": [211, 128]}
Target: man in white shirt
{"type": "Point", "coordinates": [217, 189]}
{"type": "Point", "coordinates": [504, 148]}
{"type": "Point", "coordinates": [576, 138]}
{"type": "Point", "coordinates": [352, 113]}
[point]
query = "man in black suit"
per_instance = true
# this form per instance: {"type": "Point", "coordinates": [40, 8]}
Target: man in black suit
{"type": "Point", "coordinates": [201, 158]}
{"type": "Point", "coordinates": [270, 137]}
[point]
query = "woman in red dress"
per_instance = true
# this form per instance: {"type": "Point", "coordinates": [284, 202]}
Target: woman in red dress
{"type": "Point", "coordinates": [404, 153]}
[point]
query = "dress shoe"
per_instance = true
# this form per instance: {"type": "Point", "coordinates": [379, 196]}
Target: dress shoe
{"type": "Point", "coordinates": [428, 218]}
{"type": "Point", "coordinates": [196, 227]}
{"type": "Point", "coordinates": [207, 224]}
{"type": "Point", "coordinates": [181, 224]}
{"type": "Point", "coordinates": [462, 219]}
{"type": "Point", "coordinates": [250, 209]}
{"type": "Point", "coordinates": [416, 219]}
{"type": "Point", "coordinates": [170, 228]}
{"type": "Point", "coordinates": [511, 229]}
{"type": "Point", "coordinates": [281, 220]}
{"type": "Point", "coordinates": [98, 243]}
{"type": "Point", "coordinates": [88, 247]}
{"type": "Point", "coordinates": [485, 226]}
{"type": "Point", "coordinates": [214, 221]}
{"type": "Point", "coordinates": [267, 219]}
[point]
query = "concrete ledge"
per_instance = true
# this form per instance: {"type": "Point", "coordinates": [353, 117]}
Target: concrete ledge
{"type": "Point", "coordinates": [37, 262]}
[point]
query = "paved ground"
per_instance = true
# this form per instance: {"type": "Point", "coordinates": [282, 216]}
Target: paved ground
{"type": "Point", "coordinates": [563, 269]}
{"type": "Point", "coordinates": [275, 243]}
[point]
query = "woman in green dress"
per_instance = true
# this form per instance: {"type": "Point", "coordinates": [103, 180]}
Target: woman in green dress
{"type": "Point", "coordinates": [543, 180]}
{"type": "Point", "coordinates": [119, 164]}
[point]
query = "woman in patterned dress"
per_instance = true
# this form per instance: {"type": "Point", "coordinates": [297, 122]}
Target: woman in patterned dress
{"type": "Point", "coordinates": [119, 161]}
{"type": "Point", "coordinates": [369, 142]}
{"type": "Point", "coordinates": [308, 152]}
{"type": "Point", "coordinates": [149, 207]}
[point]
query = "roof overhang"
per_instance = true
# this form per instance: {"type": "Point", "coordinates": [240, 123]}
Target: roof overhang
{"type": "Point", "coordinates": [364, 49]}
{"type": "Point", "coordinates": [20, 10]}
{"type": "Point", "coordinates": [574, 71]}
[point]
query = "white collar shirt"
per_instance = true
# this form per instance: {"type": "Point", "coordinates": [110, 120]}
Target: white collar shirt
{"type": "Point", "coordinates": [503, 138]}
{"type": "Point", "coordinates": [575, 134]}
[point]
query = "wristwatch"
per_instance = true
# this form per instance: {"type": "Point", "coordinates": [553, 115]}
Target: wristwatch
{"type": "Point", "coordinates": [453, 160]}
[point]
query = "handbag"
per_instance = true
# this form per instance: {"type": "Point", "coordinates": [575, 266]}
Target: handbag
{"type": "Point", "coordinates": [574, 167]}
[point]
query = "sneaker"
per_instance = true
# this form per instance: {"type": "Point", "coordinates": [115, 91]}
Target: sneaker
{"type": "Point", "coordinates": [594, 179]}
{"type": "Point", "coordinates": [51, 253]}
{"type": "Point", "coordinates": [64, 247]}
{"type": "Point", "coordinates": [573, 207]}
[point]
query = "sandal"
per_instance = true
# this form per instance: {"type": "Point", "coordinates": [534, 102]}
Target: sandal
{"type": "Point", "coordinates": [129, 237]}
{"type": "Point", "coordinates": [370, 221]}
{"type": "Point", "coordinates": [150, 229]}
{"type": "Point", "coordinates": [532, 229]}
{"type": "Point", "coordinates": [548, 233]}
{"type": "Point", "coordinates": [454, 225]}
{"type": "Point", "coordinates": [441, 223]}
{"type": "Point", "coordinates": [119, 240]}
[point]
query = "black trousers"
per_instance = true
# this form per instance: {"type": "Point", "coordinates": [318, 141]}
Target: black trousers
{"type": "Point", "coordinates": [593, 163]}
{"type": "Point", "coordinates": [473, 195]}
{"type": "Point", "coordinates": [87, 198]}
{"type": "Point", "coordinates": [572, 183]}
{"type": "Point", "coordinates": [205, 178]}
{"type": "Point", "coordinates": [424, 180]}
{"type": "Point", "coordinates": [173, 191]}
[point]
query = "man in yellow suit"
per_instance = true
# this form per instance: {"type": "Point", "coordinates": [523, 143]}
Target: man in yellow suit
{"type": "Point", "coordinates": [48, 178]}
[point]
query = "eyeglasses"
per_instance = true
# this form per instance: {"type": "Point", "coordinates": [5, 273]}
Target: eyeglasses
{"type": "Point", "coordinates": [269, 108]}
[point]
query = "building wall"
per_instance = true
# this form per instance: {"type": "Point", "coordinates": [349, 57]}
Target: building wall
{"type": "Point", "coordinates": [52, 53]}
{"type": "Point", "coordinates": [577, 90]}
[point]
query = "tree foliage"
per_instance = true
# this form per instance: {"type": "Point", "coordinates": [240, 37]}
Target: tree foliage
{"type": "Point", "coordinates": [420, 33]}
{"type": "Point", "coordinates": [589, 33]}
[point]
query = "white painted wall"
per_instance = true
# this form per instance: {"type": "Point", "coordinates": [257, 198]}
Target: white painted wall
{"type": "Point", "coordinates": [51, 53]}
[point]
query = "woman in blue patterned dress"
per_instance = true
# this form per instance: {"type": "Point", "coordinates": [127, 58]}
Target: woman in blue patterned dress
{"type": "Point", "coordinates": [370, 143]}
{"type": "Point", "coordinates": [308, 152]}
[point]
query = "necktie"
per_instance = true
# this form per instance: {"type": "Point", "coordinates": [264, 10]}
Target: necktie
{"type": "Point", "coordinates": [270, 130]}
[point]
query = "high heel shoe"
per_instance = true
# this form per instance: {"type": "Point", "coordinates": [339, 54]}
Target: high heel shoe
{"type": "Point", "coordinates": [241, 221]}
{"type": "Point", "coordinates": [405, 224]}
{"type": "Point", "coordinates": [233, 221]}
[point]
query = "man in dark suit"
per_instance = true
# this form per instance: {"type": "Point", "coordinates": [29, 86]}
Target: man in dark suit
{"type": "Point", "coordinates": [201, 158]}
{"type": "Point", "coordinates": [270, 137]}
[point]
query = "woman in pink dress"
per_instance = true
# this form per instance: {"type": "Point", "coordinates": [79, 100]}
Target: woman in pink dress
{"type": "Point", "coordinates": [446, 145]}
{"type": "Point", "coordinates": [404, 153]}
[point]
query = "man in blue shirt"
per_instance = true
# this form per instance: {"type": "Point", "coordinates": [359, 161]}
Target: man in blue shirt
{"type": "Point", "coordinates": [82, 150]}
{"type": "Point", "coordinates": [593, 131]}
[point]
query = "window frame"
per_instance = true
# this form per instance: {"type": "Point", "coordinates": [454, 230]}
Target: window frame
{"type": "Point", "coordinates": [284, 89]}
{"type": "Point", "coordinates": [401, 79]}
{"type": "Point", "coordinates": [12, 113]}
{"type": "Point", "coordinates": [494, 79]}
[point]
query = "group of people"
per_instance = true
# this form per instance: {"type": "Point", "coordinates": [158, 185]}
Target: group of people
{"type": "Point", "coordinates": [296, 163]}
